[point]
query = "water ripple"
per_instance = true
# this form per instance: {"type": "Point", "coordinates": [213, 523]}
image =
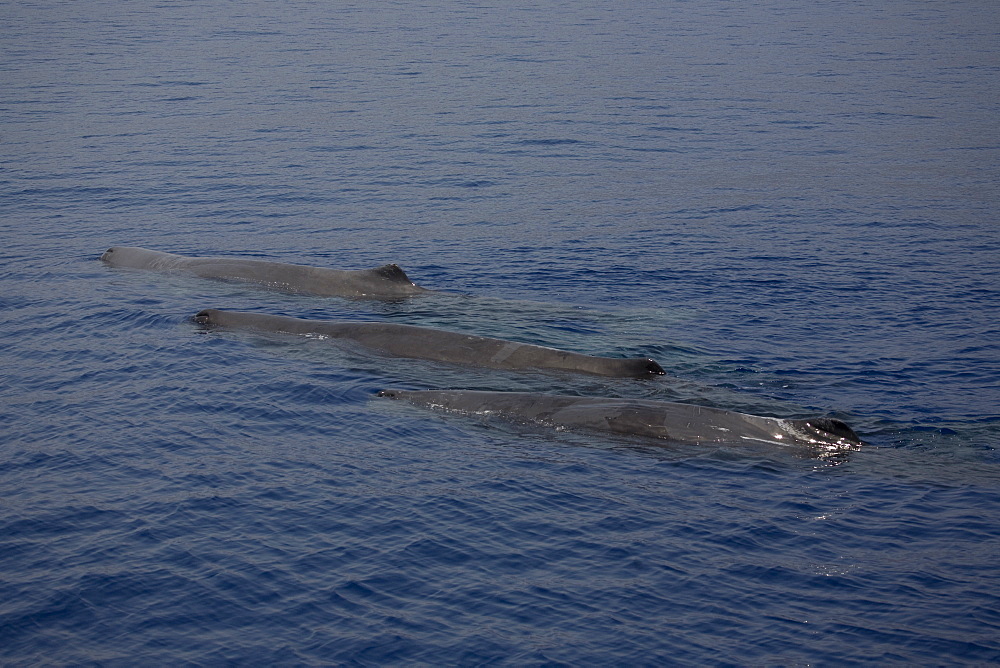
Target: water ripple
{"type": "Point", "coordinates": [793, 216]}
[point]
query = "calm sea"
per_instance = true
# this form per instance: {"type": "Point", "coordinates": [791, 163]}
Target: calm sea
{"type": "Point", "coordinates": [791, 206]}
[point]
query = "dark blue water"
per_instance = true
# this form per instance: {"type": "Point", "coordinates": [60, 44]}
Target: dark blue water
{"type": "Point", "coordinates": [792, 206]}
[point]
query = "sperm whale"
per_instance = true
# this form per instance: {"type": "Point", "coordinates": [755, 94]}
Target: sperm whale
{"type": "Point", "coordinates": [385, 282]}
{"type": "Point", "coordinates": [439, 345]}
{"type": "Point", "coordinates": [663, 420]}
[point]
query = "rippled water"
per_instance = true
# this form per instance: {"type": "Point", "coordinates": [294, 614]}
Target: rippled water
{"type": "Point", "coordinates": [791, 207]}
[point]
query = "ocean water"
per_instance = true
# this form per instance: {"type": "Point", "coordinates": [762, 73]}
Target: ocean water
{"type": "Point", "coordinates": [791, 206]}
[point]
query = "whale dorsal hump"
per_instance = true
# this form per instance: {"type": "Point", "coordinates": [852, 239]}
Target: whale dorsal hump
{"type": "Point", "coordinates": [831, 427]}
{"type": "Point", "coordinates": [391, 272]}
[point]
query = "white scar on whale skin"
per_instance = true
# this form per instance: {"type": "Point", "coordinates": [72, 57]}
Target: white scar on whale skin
{"type": "Point", "coordinates": [385, 282]}
{"type": "Point", "coordinates": [506, 352]}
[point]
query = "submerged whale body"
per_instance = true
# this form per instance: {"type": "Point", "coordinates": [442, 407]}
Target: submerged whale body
{"type": "Point", "coordinates": [683, 423]}
{"type": "Point", "coordinates": [386, 282]}
{"type": "Point", "coordinates": [437, 344]}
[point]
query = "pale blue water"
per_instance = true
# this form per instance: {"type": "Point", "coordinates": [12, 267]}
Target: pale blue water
{"type": "Point", "coordinates": [791, 206]}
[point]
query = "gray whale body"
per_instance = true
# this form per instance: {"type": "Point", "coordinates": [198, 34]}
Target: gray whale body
{"type": "Point", "coordinates": [683, 423]}
{"type": "Point", "coordinates": [437, 344]}
{"type": "Point", "coordinates": [385, 282]}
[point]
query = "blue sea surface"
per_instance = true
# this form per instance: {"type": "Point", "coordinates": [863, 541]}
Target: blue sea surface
{"type": "Point", "coordinates": [791, 206]}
